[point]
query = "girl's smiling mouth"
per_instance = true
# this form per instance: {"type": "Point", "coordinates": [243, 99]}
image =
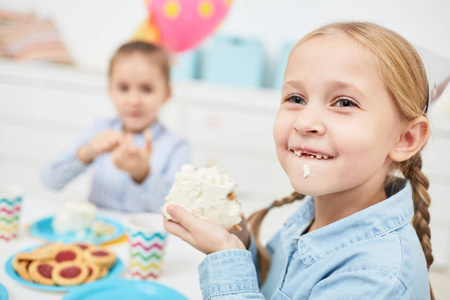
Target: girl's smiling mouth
{"type": "Point", "coordinates": [310, 153]}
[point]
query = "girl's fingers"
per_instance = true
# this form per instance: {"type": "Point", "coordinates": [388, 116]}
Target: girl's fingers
{"type": "Point", "coordinates": [115, 140]}
{"type": "Point", "coordinates": [204, 235]}
{"type": "Point", "coordinates": [128, 137]}
{"type": "Point", "coordinates": [178, 230]}
{"type": "Point", "coordinates": [149, 140]}
{"type": "Point", "coordinates": [187, 220]}
{"type": "Point", "coordinates": [116, 156]}
{"type": "Point", "coordinates": [129, 143]}
{"type": "Point", "coordinates": [111, 140]}
{"type": "Point", "coordinates": [148, 135]}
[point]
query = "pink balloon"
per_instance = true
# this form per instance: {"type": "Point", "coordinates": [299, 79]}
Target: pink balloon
{"type": "Point", "coordinates": [183, 24]}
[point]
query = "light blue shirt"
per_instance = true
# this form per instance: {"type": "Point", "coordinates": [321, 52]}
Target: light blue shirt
{"type": "Point", "coordinates": [372, 254]}
{"type": "Point", "coordinates": [113, 188]}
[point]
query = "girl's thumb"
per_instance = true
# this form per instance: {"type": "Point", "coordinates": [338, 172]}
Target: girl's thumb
{"type": "Point", "coordinates": [149, 139]}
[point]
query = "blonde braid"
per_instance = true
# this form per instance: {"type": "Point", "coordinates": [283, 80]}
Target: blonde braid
{"type": "Point", "coordinates": [255, 221]}
{"type": "Point", "coordinates": [412, 170]}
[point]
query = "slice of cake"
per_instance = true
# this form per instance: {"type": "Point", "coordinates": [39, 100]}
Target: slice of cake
{"type": "Point", "coordinates": [74, 216]}
{"type": "Point", "coordinates": [207, 193]}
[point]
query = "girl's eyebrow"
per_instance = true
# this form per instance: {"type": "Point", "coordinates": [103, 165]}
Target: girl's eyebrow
{"type": "Point", "coordinates": [342, 85]}
{"type": "Point", "coordinates": [332, 84]}
{"type": "Point", "coordinates": [292, 84]}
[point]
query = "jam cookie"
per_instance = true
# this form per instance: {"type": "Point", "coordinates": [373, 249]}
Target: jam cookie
{"type": "Point", "coordinates": [49, 249]}
{"type": "Point", "coordinates": [103, 272]}
{"type": "Point", "coordinates": [84, 246]}
{"type": "Point", "coordinates": [69, 253]}
{"type": "Point", "coordinates": [70, 273]}
{"type": "Point", "coordinates": [101, 257]}
{"type": "Point", "coordinates": [34, 255]}
{"type": "Point", "coordinates": [15, 263]}
{"type": "Point", "coordinates": [94, 271]}
{"type": "Point", "coordinates": [41, 271]}
{"type": "Point", "coordinates": [21, 267]}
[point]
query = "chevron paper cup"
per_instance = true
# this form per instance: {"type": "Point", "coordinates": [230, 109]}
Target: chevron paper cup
{"type": "Point", "coordinates": [147, 240]}
{"type": "Point", "coordinates": [10, 204]}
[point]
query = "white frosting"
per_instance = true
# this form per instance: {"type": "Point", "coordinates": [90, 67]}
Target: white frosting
{"type": "Point", "coordinates": [204, 192]}
{"type": "Point", "coordinates": [74, 216]}
{"type": "Point", "coordinates": [306, 171]}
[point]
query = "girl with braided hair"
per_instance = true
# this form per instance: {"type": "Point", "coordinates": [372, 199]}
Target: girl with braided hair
{"type": "Point", "coordinates": [349, 133]}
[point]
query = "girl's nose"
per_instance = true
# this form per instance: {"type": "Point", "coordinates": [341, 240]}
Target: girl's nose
{"type": "Point", "coordinates": [309, 122]}
{"type": "Point", "coordinates": [134, 98]}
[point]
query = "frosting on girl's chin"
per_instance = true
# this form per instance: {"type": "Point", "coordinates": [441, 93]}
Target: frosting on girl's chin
{"type": "Point", "coordinates": [306, 171]}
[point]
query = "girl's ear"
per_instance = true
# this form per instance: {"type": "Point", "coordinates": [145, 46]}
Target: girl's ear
{"type": "Point", "coordinates": [411, 139]}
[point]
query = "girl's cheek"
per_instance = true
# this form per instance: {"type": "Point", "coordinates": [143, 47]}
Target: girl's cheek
{"type": "Point", "coordinates": [282, 127]}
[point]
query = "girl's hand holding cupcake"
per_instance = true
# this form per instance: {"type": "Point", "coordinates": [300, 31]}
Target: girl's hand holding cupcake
{"type": "Point", "coordinates": [205, 235]}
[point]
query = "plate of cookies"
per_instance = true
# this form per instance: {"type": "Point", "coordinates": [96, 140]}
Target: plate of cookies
{"type": "Point", "coordinates": [61, 267]}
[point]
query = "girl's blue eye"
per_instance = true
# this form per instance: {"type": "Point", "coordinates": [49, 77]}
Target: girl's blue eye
{"type": "Point", "coordinates": [343, 102]}
{"type": "Point", "coordinates": [296, 99]}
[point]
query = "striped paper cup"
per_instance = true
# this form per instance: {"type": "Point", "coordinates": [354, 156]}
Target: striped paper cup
{"type": "Point", "coordinates": [10, 204]}
{"type": "Point", "coordinates": [147, 240]}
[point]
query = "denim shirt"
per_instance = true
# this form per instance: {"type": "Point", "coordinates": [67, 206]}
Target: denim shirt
{"type": "Point", "coordinates": [113, 188]}
{"type": "Point", "coordinates": [372, 254]}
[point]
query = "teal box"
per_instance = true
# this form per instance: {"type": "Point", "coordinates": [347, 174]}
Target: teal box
{"type": "Point", "coordinates": [233, 61]}
{"type": "Point", "coordinates": [185, 66]}
{"type": "Point", "coordinates": [280, 67]}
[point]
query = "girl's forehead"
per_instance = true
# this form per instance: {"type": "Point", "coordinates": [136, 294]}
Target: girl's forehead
{"type": "Point", "coordinates": [331, 62]}
{"type": "Point", "coordinates": [139, 62]}
{"type": "Point", "coordinates": [333, 53]}
{"type": "Point", "coordinates": [135, 63]}
{"type": "Point", "coordinates": [331, 42]}
{"type": "Point", "coordinates": [135, 57]}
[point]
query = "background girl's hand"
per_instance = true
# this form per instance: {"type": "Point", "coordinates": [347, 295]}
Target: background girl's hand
{"type": "Point", "coordinates": [207, 236]}
{"type": "Point", "coordinates": [131, 159]}
{"type": "Point", "coordinates": [104, 142]}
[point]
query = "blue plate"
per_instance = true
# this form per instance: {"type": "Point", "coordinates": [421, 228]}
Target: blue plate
{"type": "Point", "coordinates": [114, 272]}
{"type": "Point", "coordinates": [3, 293]}
{"type": "Point", "coordinates": [43, 229]}
{"type": "Point", "coordinates": [124, 289]}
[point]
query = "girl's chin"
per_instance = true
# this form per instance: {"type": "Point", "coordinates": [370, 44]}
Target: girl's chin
{"type": "Point", "coordinates": [133, 130]}
{"type": "Point", "coordinates": [310, 186]}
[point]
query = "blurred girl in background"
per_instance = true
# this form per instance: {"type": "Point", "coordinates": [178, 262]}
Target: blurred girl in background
{"type": "Point", "coordinates": [133, 155]}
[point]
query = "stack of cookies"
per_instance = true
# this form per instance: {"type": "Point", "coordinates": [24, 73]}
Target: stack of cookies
{"type": "Point", "coordinates": [64, 264]}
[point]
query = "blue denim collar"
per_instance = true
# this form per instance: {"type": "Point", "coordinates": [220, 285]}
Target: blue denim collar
{"type": "Point", "coordinates": [376, 220]}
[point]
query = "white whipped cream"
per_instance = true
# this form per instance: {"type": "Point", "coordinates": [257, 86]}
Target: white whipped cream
{"type": "Point", "coordinates": [306, 171]}
{"type": "Point", "coordinates": [74, 216]}
{"type": "Point", "coordinates": [204, 192]}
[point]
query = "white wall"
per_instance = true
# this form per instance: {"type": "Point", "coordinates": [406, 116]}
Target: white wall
{"type": "Point", "coordinates": [92, 29]}
{"type": "Point", "coordinates": [426, 24]}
